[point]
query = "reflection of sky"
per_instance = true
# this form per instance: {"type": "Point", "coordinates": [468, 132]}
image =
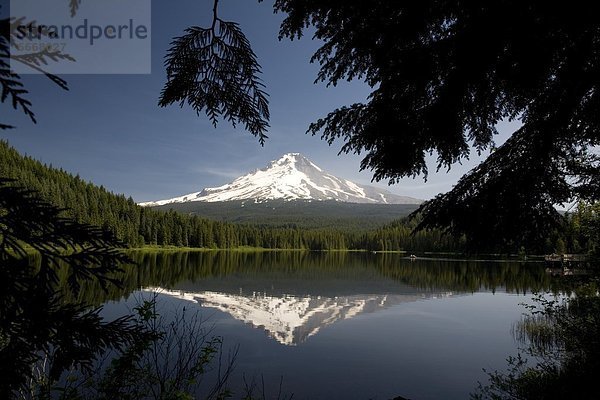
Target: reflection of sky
{"type": "Point", "coordinates": [110, 130]}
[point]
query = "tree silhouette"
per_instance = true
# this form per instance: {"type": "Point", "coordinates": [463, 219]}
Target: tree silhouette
{"type": "Point", "coordinates": [214, 69]}
{"type": "Point", "coordinates": [12, 88]}
{"type": "Point", "coordinates": [444, 73]}
{"type": "Point", "coordinates": [37, 246]}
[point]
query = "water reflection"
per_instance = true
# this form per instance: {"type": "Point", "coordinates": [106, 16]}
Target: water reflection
{"type": "Point", "coordinates": [327, 274]}
{"type": "Point", "coordinates": [288, 319]}
{"type": "Point", "coordinates": [294, 295]}
{"type": "Point", "coordinates": [349, 325]}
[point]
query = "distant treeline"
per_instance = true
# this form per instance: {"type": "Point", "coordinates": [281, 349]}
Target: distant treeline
{"type": "Point", "coordinates": [138, 226]}
{"type": "Point", "coordinates": [301, 214]}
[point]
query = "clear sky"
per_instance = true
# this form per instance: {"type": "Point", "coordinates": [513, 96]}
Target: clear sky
{"type": "Point", "coordinates": [110, 130]}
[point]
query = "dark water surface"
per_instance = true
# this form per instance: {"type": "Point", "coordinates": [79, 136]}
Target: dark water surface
{"type": "Point", "coordinates": [346, 325]}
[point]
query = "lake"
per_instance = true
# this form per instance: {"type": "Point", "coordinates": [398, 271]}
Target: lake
{"type": "Point", "coordinates": [342, 325]}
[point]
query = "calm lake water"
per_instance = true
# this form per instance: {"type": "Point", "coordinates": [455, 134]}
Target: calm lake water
{"type": "Point", "coordinates": [346, 325]}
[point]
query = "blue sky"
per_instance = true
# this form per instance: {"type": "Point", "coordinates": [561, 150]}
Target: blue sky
{"type": "Point", "coordinates": [110, 130]}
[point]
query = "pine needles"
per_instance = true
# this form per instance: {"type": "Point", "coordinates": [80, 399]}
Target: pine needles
{"type": "Point", "coordinates": [12, 88]}
{"type": "Point", "coordinates": [36, 245]}
{"type": "Point", "coordinates": [215, 70]}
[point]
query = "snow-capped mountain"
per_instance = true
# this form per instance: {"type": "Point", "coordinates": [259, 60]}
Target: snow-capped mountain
{"type": "Point", "coordinates": [291, 320]}
{"type": "Point", "coordinates": [292, 177]}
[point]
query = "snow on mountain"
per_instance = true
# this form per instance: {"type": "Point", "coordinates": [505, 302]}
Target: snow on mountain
{"type": "Point", "coordinates": [292, 177]}
{"type": "Point", "coordinates": [291, 320]}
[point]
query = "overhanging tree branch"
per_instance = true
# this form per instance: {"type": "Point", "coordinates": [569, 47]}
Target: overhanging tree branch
{"type": "Point", "coordinates": [215, 70]}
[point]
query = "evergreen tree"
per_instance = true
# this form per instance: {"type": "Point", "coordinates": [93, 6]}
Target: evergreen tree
{"type": "Point", "coordinates": [36, 322]}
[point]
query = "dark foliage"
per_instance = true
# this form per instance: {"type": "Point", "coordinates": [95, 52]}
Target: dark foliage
{"type": "Point", "coordinates": [37, 246]}
{"type": "Point", "coordinates": [74, 6]}
{"type": "Point", "coordinates": [444, 74]}
{"type": "Point", "coordinates": [13, 89]}
{"type": "Point", "coordinates": [562, 339]}
{"type": "Point", "coordinates": [583, 231]}
{"type": "Point", "coordinates": [214, 69]}
{"type": "Point", "coordinates": [507, 202]}
{"type": "Point", "coordinates": [491, 202]}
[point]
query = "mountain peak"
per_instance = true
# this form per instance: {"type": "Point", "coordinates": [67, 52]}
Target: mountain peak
{"type": "Point", "coordinates": [292, 155]}
{"type": "Point", "coordinates": [291, 177]}
{"type": "Point", "coordinates": [294, 161]}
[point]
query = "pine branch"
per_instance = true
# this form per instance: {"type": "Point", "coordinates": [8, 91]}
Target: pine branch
{"type": "Point", "coordinates": [13, 90]}
{"type": "Point", "coordinates": [35, 317]}
{"type": "Point", "coordinates": [38, 59]}
{"type": "Point", "coordinates": [42, 57]}
{"type": "Point", "coordinates": [74, 6]}
{"type": "Point", "coordinates": [215, 70]}
{"type": "Point", "coordinates": [11, 84]}
{"type": "Point", "coordinates": [89, 252]}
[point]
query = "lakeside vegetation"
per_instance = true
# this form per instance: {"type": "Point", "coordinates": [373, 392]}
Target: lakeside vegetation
{"type": "Point", "coordinates": [559, 339]}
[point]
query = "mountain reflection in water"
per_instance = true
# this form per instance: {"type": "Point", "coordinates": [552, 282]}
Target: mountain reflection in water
{"type": "Point", "coordinates": [292, 319]}
{"type": "Point", "coordinates": [344, 324]}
